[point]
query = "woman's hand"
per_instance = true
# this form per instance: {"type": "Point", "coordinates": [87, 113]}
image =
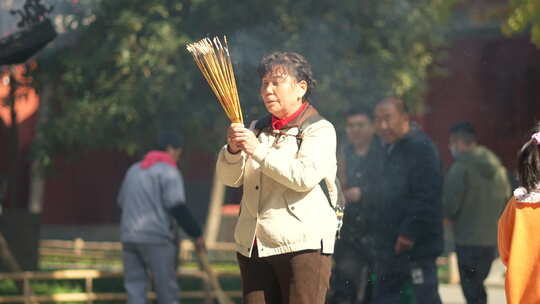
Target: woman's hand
{"type": "Point", "coordinates": [233, 145]}
{"type": "Point", "coordinates": [241, 138]}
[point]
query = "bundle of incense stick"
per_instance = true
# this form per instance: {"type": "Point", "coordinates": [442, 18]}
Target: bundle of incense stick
{"type": "Point", "coordinates": [214, 61]}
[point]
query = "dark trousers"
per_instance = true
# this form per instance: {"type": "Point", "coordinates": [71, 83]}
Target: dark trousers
{"type": "Point", "coordinates": [293, 278]}
{"type": "Point", "coordinates": [142, 260]}
{"type": "Point", "coordinates": [474, 264]}
{"type": "Point", "coordinates": [393, 276]}
{"type": "Point", "coordinates": [350, 282]}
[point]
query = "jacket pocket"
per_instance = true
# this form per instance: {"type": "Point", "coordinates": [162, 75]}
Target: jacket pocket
{"type": "Point", "coordinates": [295, 203]}
{"type": "Point", "coordinates": [302, 205]}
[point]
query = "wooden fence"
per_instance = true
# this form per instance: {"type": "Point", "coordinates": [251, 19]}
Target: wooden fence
{"type": "Point", "coordinates": [106, 253]}
{"type": "Point", "coordinates": [79, 247]}
{"type": "Point", "coordinates": [107, 250]}
{"type": "Point", "coordinates": [89, 295]}
{"type": "Point", "coordinates": [113, 250]}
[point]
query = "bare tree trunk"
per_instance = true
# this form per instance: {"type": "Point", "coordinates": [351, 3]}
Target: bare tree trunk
{"type": "Point", "coordinates": [37, 178]}
{"type": "Point", "coordinates": [7, 257]}
{"type": "Point", "coordinates": [213, 220]}
{"type": "Point", "coordinates": [37, 187]}
{"type": "Point", "coordinates": [13, 156]}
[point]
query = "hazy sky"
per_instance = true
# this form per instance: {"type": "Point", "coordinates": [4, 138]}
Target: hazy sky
{"type": "Point", "coordinates": [8, 23]}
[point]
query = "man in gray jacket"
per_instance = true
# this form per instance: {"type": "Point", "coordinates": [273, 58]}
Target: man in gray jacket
{"type": "Point", "coordinates": [475, 191]}
{"type": "Point", "coordinates": [152, 194]}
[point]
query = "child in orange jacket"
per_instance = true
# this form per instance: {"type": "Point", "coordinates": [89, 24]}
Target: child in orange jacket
{"type": "Point", "coordinates": [519, 236]}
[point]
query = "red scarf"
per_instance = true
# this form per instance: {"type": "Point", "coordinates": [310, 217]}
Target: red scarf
{"type": "Point", "coordinates": [278, 123]}
{"type": "Point", "coordinates": [153, 157]}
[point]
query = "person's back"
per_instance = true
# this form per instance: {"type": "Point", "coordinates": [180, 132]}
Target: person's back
{"type": "Point", "coordinates": [153, 202]}
{"type": "Point", "coordinates": [144, 203]}
{"type": "Point", "coordinates": [519, 240]}
{"type": "Point", "coordinates": [476, 189]}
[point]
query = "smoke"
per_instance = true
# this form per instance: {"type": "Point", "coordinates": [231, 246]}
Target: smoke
{"type": "Point", "coordinates": [334, 50]}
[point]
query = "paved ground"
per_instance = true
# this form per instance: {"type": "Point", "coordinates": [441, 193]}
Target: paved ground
{"type": "Point", "coordinates": [451, 294]}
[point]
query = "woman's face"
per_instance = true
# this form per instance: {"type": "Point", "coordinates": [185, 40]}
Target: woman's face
{"type": "Point", "coordinates": [281, 93]}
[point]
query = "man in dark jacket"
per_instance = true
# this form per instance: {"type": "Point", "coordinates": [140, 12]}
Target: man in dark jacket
{"type": "Point", "coordinates": [475, 192]}
{"type": "Point", "coordinates": [409, 234]}
{"type": "Point", "coordinates": [153, 201]}
{"type": "Point", "coordinates": [358, 166]}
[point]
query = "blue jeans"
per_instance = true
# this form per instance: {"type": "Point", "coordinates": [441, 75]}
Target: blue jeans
{"type": "Point", "coordinates": [142, 260]}
{"type": "Point", "coordinates": [393, 276]}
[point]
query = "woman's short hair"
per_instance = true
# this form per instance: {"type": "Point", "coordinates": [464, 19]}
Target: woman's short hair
{"type": "Point", "coordinates": [528, 166]}
{"type": "Point", "coordinates": [295, 64]}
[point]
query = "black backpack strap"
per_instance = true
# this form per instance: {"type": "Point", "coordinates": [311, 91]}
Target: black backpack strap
{"type": "Point", "coordinates": [324, 188]}
{"type": "Point", "coordinates": [306, 123]}
{"type": "Point", "coordinates": [311, 120]}
{"type": "Point", "coordinates": [262, 124]}
{"type": "Point", "coordinates": [340, 204]}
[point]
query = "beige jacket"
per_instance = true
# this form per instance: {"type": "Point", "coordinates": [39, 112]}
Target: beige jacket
{"type": "Point", "coordinates": [283, 205]}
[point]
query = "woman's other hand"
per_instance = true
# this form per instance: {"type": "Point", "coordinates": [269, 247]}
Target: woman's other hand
{"type": "Point", "coordinates": [248, 141]}
{"type": "Point", "coordinates": [242, 138]}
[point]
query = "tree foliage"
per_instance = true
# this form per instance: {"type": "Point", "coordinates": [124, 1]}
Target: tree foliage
{"type": "Point", "coordinates": [524, 15]}
{"type": "Point", "coordinates": [128, 73]}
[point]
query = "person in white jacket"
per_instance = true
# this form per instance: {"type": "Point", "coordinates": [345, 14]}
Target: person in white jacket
{"type": "Point", "coordinates": [286, 229]}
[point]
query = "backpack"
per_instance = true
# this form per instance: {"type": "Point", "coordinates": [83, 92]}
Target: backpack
{"type": "Point", "coordinates": [265, 125]}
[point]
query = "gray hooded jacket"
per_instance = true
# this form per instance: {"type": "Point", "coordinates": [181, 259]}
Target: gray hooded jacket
{"type": "Point", "coordinates": [145, 197]}
{"type": "Point", "coordinates": [475, 192]}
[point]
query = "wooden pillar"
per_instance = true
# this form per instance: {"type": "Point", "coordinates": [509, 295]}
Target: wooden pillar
{"type": "Point", "coordinates": [213, 221]}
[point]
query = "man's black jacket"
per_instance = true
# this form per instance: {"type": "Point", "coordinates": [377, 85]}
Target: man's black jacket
{"type": "Point", "coordinates": [359, 219]}
{"type": "Point", "coordinates": [409, 197]}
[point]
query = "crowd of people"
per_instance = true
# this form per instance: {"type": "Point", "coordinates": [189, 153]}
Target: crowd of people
{"type": "Point", "coordinates": [295, 178]}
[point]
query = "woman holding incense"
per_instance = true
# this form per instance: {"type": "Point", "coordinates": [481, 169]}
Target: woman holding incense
{"type": "Point", "coordinates": [287, 225]}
